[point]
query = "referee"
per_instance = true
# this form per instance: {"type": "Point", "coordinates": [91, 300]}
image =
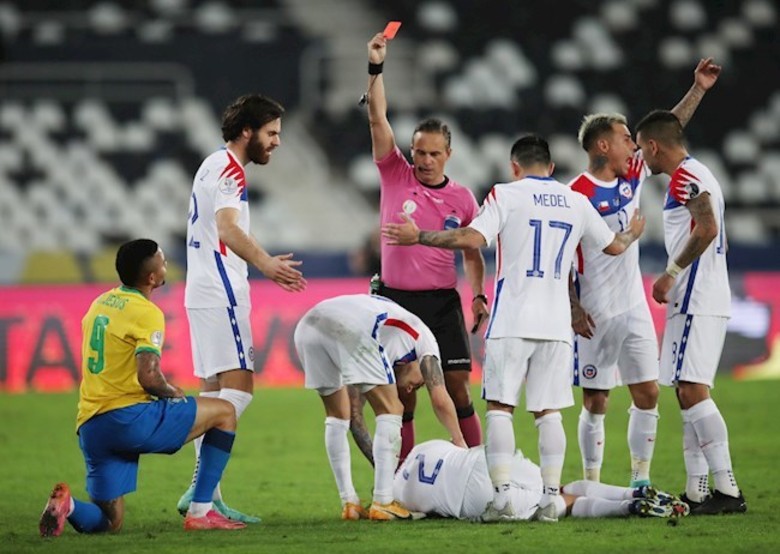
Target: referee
{"type": "Point", "coordinates": [423, 280]}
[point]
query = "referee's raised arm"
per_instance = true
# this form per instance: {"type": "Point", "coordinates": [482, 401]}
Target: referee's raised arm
{"type": "Point", "coordinates": [382, 139]}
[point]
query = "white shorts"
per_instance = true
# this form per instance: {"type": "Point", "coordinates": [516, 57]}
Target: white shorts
{"type": "Point", "coordinates": [221, 340]}
{"type": "Point", "coordinates": [525, 491]}
{"type": "Point", "coordinates": [691, 348]}
{"type": "Point", "coordinates": [328, 365]}
{"type": "Point", "coordinates": [623, 351]}
{"type": "Point", "coordinates": [543, 365]}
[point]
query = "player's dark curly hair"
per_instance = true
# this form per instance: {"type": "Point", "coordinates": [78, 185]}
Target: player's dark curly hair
{"type": "Point", "coordinates": [131, 260]}
{"type": "Point", "coordinates": [250, 110]}
{"type": "Point", "coordinates": [530, 150]}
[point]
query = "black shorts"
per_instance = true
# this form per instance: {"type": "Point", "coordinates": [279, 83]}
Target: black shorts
{"type": "Point", "coordinates": [442, 312]}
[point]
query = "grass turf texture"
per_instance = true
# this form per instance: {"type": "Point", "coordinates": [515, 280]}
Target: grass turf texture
{"type": "Point", "coordinates": [279, 470]}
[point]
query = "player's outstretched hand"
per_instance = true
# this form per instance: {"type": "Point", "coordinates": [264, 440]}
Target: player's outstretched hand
{"type": "Point", "coordinates": [377, 48]}
{"type": "Point", "coordinates": [402, 234]}
{"type": "Point", "coordinates": [281, 270]}
{"type": "Point", "coordinates": [706, 73]}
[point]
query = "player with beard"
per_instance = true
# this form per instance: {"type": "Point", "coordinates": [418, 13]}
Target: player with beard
{"type": "Point", "coordinates": [219, 247]}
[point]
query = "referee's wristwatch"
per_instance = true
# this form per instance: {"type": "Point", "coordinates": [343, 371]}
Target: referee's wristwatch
{"type": "Point", "coordinates": [480, 297]}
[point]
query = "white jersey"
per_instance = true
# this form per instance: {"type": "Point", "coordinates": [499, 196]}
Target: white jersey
{"type": "Point", "coordinates": [435, 476]}
{"type": "Point", "coordinates": [611, 285]}
{"type": "Point", "coordinates": [216, 276]}
{"type": "Point", "coordinates": [363, 323]}
{"type": "Point", "coordinates": [537, 223]}
{"type": "Point", "coordinates": [702, 288]}
{"type": "Point", "coordinates": [438, 477]}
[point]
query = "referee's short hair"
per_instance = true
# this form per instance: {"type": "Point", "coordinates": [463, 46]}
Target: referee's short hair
{"type": "Point", "coordinates": [250, 110]}
{"type": "Point", "coordinates": [434, 125]}
{"type": "Point", "coordinates": [531, 150]}
{"type": "Point", "coordinates": [131, 259]}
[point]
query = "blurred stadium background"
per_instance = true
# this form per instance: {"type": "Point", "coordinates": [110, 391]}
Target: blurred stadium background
{"type": "Point", "coordinates": [108, 107]}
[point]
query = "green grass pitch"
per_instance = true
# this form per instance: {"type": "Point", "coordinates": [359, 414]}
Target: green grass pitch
{"type": "Point", "coordinates": [279, 470]}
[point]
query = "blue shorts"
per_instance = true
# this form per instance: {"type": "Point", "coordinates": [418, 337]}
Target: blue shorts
{"type": "Point", "coordinates": [112, 442]}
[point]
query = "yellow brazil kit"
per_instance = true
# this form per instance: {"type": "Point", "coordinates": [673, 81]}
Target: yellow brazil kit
{"type": "Point", "coordinates": [120, 323]}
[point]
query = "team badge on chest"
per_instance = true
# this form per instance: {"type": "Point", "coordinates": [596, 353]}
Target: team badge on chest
{"type": "Point", "coordinates": [625, 190]}
{"type": "Point", "coordinates": [451, 222]}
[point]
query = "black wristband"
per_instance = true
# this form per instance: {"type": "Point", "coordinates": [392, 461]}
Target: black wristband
{"type": "Point", "coordinates": [480, 297]}
{"type": "Point", "coordinates": [375, 68]}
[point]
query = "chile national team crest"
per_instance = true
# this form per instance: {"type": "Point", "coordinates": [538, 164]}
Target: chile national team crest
{"type": "Point", "coordinates": [589, 371]}
{"type": "Point", "coordinates": [625, 190]}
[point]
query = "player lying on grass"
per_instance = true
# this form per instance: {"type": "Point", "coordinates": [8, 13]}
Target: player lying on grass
{"type": "Point", "coordinates": [127, 408]}
{"type": "Point", "coordinates": [440, 478]}
{"type": "Point", "coordinates": [377, 346]}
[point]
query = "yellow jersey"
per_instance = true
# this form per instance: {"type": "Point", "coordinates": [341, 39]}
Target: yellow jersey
{"type": "Point", "coordinates": [120, 323]}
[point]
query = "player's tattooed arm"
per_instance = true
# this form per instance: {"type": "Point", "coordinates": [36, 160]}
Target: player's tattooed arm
{"type": "Point", "coordinates": [704, 77]}
{"type": "Point", "coordinates": [441, 402]}
{"type": "Point", "coordinates": [454, 239]}
{"type": "Point", "coordinates": [151, 378]}
{"type": "Point", "coordinates": [704, 231]}
{"type": "Point", "coordinates": [432, 372]}
{"type": "Point", "coordinates": [357, 423]}
{"type": "Point", "coordinates": [622, 241]}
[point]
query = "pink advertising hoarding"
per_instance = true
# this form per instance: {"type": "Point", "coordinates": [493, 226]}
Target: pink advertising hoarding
{"type": "Point", "coordinates": [40, 331]}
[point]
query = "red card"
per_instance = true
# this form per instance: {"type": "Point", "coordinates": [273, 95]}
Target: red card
{"type": "Point", "coordinates": [391, 29]}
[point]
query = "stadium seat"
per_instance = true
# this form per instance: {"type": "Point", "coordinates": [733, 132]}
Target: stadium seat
{"type": "Point", "coordinates": [51, 267]}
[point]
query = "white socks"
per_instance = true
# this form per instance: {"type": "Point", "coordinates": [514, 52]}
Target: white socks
{"type": "Point", "coordinates": [697, 486]}
{"type": "Point", "coordinates": [337, 446]}
{"type": "Point", "coordinates": [499, 451]}
{"type": "Point", "coordinates": [713, 440]}
{"type": "Point", "coordinates": [599, 507]}
{"type": "Point", "coordinates": [642, 427]}
{"type": "Point", "coordinates": [590, 432]}
{"type": "Point", "coordinates": [552, 449]}
{"type": "Point", "coordinates": [598, 490]}
{"type": "Point", "coordinates": [387, 446]}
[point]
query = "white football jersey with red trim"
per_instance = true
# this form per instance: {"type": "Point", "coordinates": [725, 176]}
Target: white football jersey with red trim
{"type": "Point", "coordinates": [611, 285]}
{"type": "Point", "coordinates": [702, 288]}
{"type": "Point", "coordinates": [216, 276]}
{"type": "Point", "coordinates": [365, 320]}
{"type": "Point", "coordinates": [537, 223]}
